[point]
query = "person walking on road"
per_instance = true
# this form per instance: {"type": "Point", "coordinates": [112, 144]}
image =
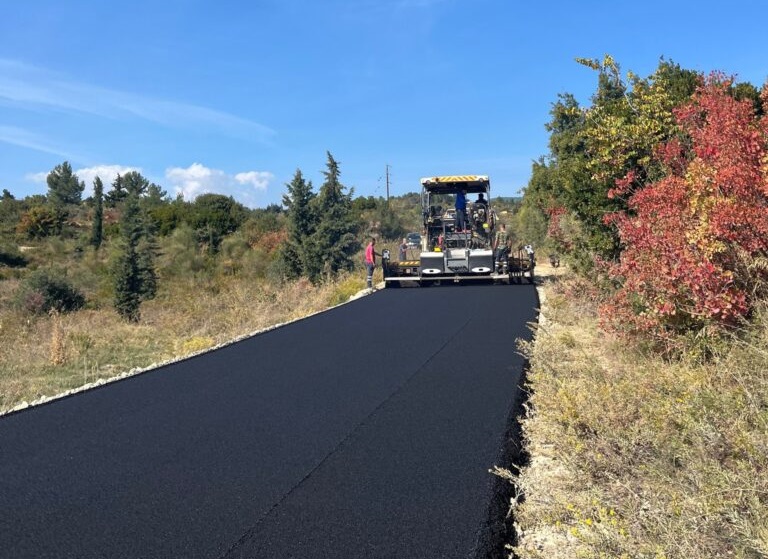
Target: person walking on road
{"type": "Point", "coordinates": [370, 261]}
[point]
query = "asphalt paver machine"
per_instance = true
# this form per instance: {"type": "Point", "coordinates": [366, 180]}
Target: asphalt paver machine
{"type": "Point", "coordinates": [452, 251]}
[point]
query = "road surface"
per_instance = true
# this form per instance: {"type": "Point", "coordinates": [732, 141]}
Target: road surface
{"type": "Point", "coordinates": [366, 431]}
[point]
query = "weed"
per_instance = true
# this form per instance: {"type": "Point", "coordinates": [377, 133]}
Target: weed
{"type": "Point", "coordinates": [634, 455]}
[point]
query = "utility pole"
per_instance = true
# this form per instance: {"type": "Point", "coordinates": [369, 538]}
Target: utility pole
{"type": "Point", "coordinates": [387, 173]}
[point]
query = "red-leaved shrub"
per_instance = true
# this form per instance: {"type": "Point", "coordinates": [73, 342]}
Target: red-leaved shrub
{"type": "Point", "coordinates": [688, 238]}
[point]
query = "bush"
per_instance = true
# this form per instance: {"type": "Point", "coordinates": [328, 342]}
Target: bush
{"type": "Point", "coordinates": [693, 241]}
{"type": "Point", "coordinates": [46, 291]}
{"type": "Point", "coordinates": [11, 257]}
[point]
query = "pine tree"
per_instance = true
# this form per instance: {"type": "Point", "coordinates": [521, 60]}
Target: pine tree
{"type": "Point", "coordinates": [64, 187]}
{"type": "Point", "coordinates": [127, 282]}
{"type": "Point", "coordinates": [333, 243]}
{"type": "Point", "coordinates": [301, 225]}
{"type": "Point", "coordinates": [135, 276]}
{"type": "Point", "coordinates": [97, 230]}
{"type": "Point", "coordinates": [135, 183]}
{"type": "Point", "coordinates": [117, 194]}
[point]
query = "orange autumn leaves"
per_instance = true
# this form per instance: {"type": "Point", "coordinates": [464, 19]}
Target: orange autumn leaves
{"type": "Point", "coordinates": [690, 239]}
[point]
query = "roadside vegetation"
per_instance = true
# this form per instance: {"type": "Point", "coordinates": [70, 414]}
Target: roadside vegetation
{"type": "Point", "coordinates": [647, 416]}
{"type": "Point", "coordinates": [635, 455]}
{"type": "Point", "coordinates": [93, 288]}
{"type": "Point", "coordinates": [647, 419]}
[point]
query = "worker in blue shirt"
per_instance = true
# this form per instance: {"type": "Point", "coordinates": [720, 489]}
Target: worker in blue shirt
{"type": "Point", "coordinates": [461, 210]}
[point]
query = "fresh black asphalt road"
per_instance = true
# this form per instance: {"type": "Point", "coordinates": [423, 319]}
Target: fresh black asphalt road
{"type": "Point", "coordinates": [366, 431]}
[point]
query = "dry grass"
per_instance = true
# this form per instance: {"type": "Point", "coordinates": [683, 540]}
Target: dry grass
{"type": "Point", "coordinates": [44, 356]}
{"type": "Point", "coordinates": [632, 456]}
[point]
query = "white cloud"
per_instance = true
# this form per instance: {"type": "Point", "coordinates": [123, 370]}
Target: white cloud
{"type": "Point", "coordinates": [258, 179]}
{"type": "Point", "coordinates": [37, 177]}
{"type": "Point", "coordinates": [29, 86]}
{"type": "Point", "coordinates": [107, 174]}
{"type": "Point", "coordinates": [198, 179]}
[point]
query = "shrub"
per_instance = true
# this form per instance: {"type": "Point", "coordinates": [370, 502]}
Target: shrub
{"type": "Point", "coordinates": [46, 291]}
{"type": "Point", "coordinates": [11, 257]}
{"type": "Point", "coordinates": [690, 238]}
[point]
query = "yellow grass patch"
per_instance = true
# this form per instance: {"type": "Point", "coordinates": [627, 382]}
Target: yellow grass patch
{"type": "Point", "coordinates": [634, 456]}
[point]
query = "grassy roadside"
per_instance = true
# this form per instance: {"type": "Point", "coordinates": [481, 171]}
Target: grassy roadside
{"type": "Point", "coordinates": [45, 356]}
{"type": "Point", "coordinates": [632, 456]}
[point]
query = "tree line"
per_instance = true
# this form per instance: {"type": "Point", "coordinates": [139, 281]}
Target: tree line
{"type": "Point", "coordinates": [316, 235]}
{"type": "Point", "coordinates": [657, 189]}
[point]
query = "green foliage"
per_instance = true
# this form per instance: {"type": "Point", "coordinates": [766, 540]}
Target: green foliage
{"type": "Point", "coordinates": [591, 148]}
{"type": "Point", "coordinates": [302, 221]}
{"type": "Point", "coordinates": [334, 243]}
{"type": "Point", "coordinates": [155, 197]}
{"type": "Point", "coordinates": [135, 184]}
{"type": "Point", "coordinates": [167, 217]}
{"type": "Point", "coordinates": [64, 188]}
{"type": "Point", "coordinates": [529, 226]}
{"type": "Point", "coordinates": [10, 212]}
{"type": "Point", "coordinates": [213, 216]}
{"type": "Point", "coordinates": [45, 291]}
{"type": "Point", "coordinates": [181, 256]}
{"type": "Point", "coordinates": [97, 229]}
{"type": "Point", "coordinates": [117, 194]}
{"type": "Point", "coordinates": [262, 222]}
{"type": "Point", "coordinates": [40, 221]}
{"type": "Point", "coordinates": [10, 256]}
{"type": "Point", "coordinates": [135, 278]}
{"type": "Point", "coordinates": [742, 91]}
{"type": "Point", "coordinates": [390, 224]}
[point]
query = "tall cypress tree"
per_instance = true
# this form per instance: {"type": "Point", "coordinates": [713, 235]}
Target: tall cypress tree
{"type": "Point", "coordinates": [301, 225]}
{"type": "Point", "coordinates": [127, 281]}
{"type": "Point", "coordinates": [334, 242]}
{"type": "Point", "coordinates": [135, 277]}
{"type": "Point", "coordinates": [97, 229]}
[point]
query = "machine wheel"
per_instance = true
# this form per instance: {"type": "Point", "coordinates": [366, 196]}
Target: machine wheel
{"type": "Point", "coordinates": [530, 275]}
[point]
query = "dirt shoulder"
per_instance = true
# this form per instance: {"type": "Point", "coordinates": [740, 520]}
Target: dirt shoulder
{"type": "Point", "coordinates": [633, 456]}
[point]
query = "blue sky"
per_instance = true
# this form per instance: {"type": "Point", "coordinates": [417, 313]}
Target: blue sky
{"type": "Point", "coordinates": [233, 96]}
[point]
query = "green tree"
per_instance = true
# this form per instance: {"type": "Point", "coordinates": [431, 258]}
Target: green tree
{"type": "Point", "coordinates": [599, 155]}
{"type": "Point", "coordinates": [155, 197]}
{"type": "Point", "coordinates": [64, 188]}
{"type": "Point", "coordinates": [10, 212]}
{"type": "Point", "coordinates": [168, 216]}
{"type": "Point", "coordinates": [334, 242]}
{"type": "Point", "coordinates": [117, 194]}
{"type": "Point", "coordinates": [134, 272]}
{"type": "Point", "coordinates": [135, 183]}
{"type": "Point", "coordinates": [214, 215]}
{"type": "Point", "coordinates": [390, 224]}
{"type": "Point", "coordinates": [97, 228]}
{"type": "Point", "coordinates": [302, 222]}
